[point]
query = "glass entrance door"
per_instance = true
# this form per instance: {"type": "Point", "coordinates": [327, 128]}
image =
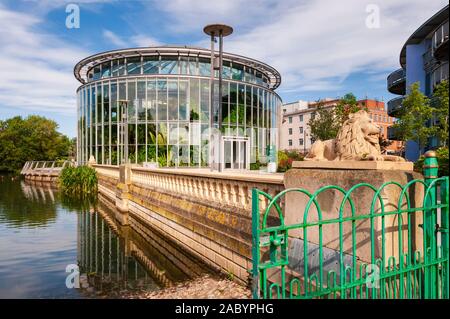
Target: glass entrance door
{"type": "Point", "coordinates": [235, 153]}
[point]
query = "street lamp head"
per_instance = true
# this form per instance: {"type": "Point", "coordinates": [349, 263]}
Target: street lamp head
{"type": "Point", "coordinates": [216, 29]}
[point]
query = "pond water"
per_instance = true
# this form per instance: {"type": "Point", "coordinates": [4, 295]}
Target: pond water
{"type": "Point", "coordinates": [55, 247]}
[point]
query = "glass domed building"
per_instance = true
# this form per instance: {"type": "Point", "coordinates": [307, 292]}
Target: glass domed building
{"type": "Point", "coordinates": [162, 95]}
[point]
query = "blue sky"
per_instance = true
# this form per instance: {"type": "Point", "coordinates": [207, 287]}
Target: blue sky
{"type": "Point", "coordinates": [322, 48]}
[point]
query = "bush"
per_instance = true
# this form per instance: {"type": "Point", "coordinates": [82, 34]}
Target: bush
{"type": "Point", "coordinates": [285, 159]}
{"type": "Point", "coordinates": [81, 180]}
{"type": "Point", "coordinates": [442, 157]}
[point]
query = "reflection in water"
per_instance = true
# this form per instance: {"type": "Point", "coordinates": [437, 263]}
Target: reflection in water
{"type": "Point", "coordinates": [42, 231]}
{"type": "Point", "coordinates": [114, 257]}
{"type": "Point", "coordinates": [24, 205]}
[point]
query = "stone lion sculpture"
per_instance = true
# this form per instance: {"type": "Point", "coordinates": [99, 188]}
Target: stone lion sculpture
{"type": "Point", "coordinates": [358, 139]}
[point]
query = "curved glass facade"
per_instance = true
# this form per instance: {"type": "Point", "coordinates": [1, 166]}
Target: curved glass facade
{"type": "Point", "coordinates": [168, 111]}
{"type": "Point", "coordinates": [171, 64]}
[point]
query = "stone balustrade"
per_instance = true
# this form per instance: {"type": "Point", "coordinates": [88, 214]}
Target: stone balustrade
{"type": "Point", "coordinates": [231, 189]}
{"type": "Point", "coordinates": [110, 171]}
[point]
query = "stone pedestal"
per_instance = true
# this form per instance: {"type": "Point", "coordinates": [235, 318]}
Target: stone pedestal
{"type": "Point", "coordinates": [312, 179]}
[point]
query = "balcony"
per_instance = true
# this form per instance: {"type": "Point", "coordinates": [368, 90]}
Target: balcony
{"type": "Point", "coordinates": [396, 82]}
{"type": "Point", "coordinates": [440, 42]}
{"type": "Point", "coordinates": [395, 106]}
{"type": "Point", "coordinates": [439, 74]}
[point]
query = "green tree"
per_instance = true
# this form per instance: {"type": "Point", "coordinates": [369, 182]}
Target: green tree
{"type": "Point", "coordinates": [440, 109]}
{"type": "Point", "coordinates": [324, 125]}
{"type": "Point", "coordinates": [412, 121]}
{"type": "Point", "coordinates": [346, 106]}
{"type": "Point", "coordinates": [32, 138]}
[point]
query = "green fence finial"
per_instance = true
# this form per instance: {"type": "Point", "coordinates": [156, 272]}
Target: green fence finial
{"type": "Point", "coordinates": [430, 167]}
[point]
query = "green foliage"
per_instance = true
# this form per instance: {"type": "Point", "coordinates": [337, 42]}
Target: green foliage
{"type": "Point", "coordinates": [327, 122]}
{"type": "Point", "coordinates": [33, 138]}
{"type": "Point", "coordinates": [286, 157]}
{"type": "Point", "coordinates": [416, 112]}
{"type": "Point", "coordinates": [79, 181]}
{"type": "Point", "coordinates": [443, 160]}
{"type": "Point", "coordinates": [346, 106]}
{"type": "Point", "coordinates": [324, 125]}
{"type": "Point", "coordinates": [440, 109]}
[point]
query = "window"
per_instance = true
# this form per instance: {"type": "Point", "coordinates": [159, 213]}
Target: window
{"type": "Point", "coordinates": [301, 129]}
{"type": "Point", "coordinates": [284, 110]}
{"type": "Point", "coordinates": [290, 131]}
{"type": "Point", "coordinates": [290, 119]}
{"type": "Point", "coordinates": [300, 142]}
{"type": "Point", "coordinates": [290, 142]}
{"type": "Point", "coordinates": [134, 65]}
{"type": "Point", "coordinates": [150, 65]}
{"type": "Point", "coordinates": [169, 65]}
{"type": "Point", "coordinates": [300, 117]}
{"type": "Point", "coordinates": [313, 115]}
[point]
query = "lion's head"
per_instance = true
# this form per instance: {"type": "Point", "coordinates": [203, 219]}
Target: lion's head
{"type": "Point", "coordinates": [358, 136]}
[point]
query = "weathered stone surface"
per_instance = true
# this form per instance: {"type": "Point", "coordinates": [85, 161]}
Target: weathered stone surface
{"type": "Point", "coordinates": [364, 165]}
{"type": "Point", "coordinates": [330, 202]}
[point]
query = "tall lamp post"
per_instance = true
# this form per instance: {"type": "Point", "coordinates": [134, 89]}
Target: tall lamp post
{"type": "Point", "coordinates": [216, 30]}
{"type": "Point", "coordinates": [123, 106]}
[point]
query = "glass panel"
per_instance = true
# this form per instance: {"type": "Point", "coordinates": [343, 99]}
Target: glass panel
{"type": "Point", "coordinates": [193, 66]}
{"type": "Point", "coordinates": [151, 65]}
{"type": "Point", "coordinates": [194, 155]}
{"type": "Point", "coordinates": [255, 106]}
{"type": "Point", "coordinates": [173, 133]}
{"type": "Point", "coordinates": [151, 133]}
{"type": "Point", "coordinates": [204, 145]}
{"type": "Point", "coordinates": [241, 105]}
{"type": "Point", "coordinates": [162, 156]}
{"type": "Point", "coordinates": [204, 67]}
{"type": "Point", "coordinates": [141, 134]}
{"type": "Point", "coordinates": [248, 102]}
{"type": "Point", "coordinates": [105, 133]}
{"type": "Point", "coordinates": [162, 100]}
{"type": "Point", "coordinates": [131, 101]}
{"type": "Point", "coordinates": [118, 67]}
{"type": "Point", "coordinates": [194, 133]}
{"type": "Point", "coordinates": [134, 65]}
{"type": "Point", "coordinates": [141, 153]}
{"type": "Point", "coordinates": [184, 65]}
{"type": "Point", "coordinates": [169, 65]}
{"type": "Point", "coordinates": [183, 155]}
{"type": "Point", "coordinates": [204, 101]}
{"type": "Point", "coordinates": [183, 100]}
{"type": "Point", "coordinates": [151, 100]}
{"type": "Point", "coordinates": [237, 72]}
{"type": "Point", "coordinates": [113, 102]}
{"type": "Point", "coordinates": [172, 156]}
{"type": "Point", "coordinates": [151, 153]}
{"type": "Point", "coordinates": [226, 70]}
{"type": "Point", "coordinates": [97, 74]}
{"type": "Point", "coordinates": [229, 105]}
{"type": "Point", "coordinates": [194, 101]}
{"type": "Point", "coordinates": [183, 133]}
{"type": "Point", "coordinates": [106, 69]}
{"type": "Point", "coordinates": [141, 100]}
{"type": "Point", "coordinates": [173, 99]}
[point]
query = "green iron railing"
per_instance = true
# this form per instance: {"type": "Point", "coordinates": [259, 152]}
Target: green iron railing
{"type": "Point", "coordinates": [398, 267]}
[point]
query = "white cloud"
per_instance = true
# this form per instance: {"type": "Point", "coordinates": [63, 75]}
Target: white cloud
{"type": "Point", "coordinates": [315, 45]}
{"type": "Point", "coordinates": [36, 67]}
{"type": "Point", "coordinates": [113, 38]}
{"type": "Point", "coordinates": [130, 41]}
